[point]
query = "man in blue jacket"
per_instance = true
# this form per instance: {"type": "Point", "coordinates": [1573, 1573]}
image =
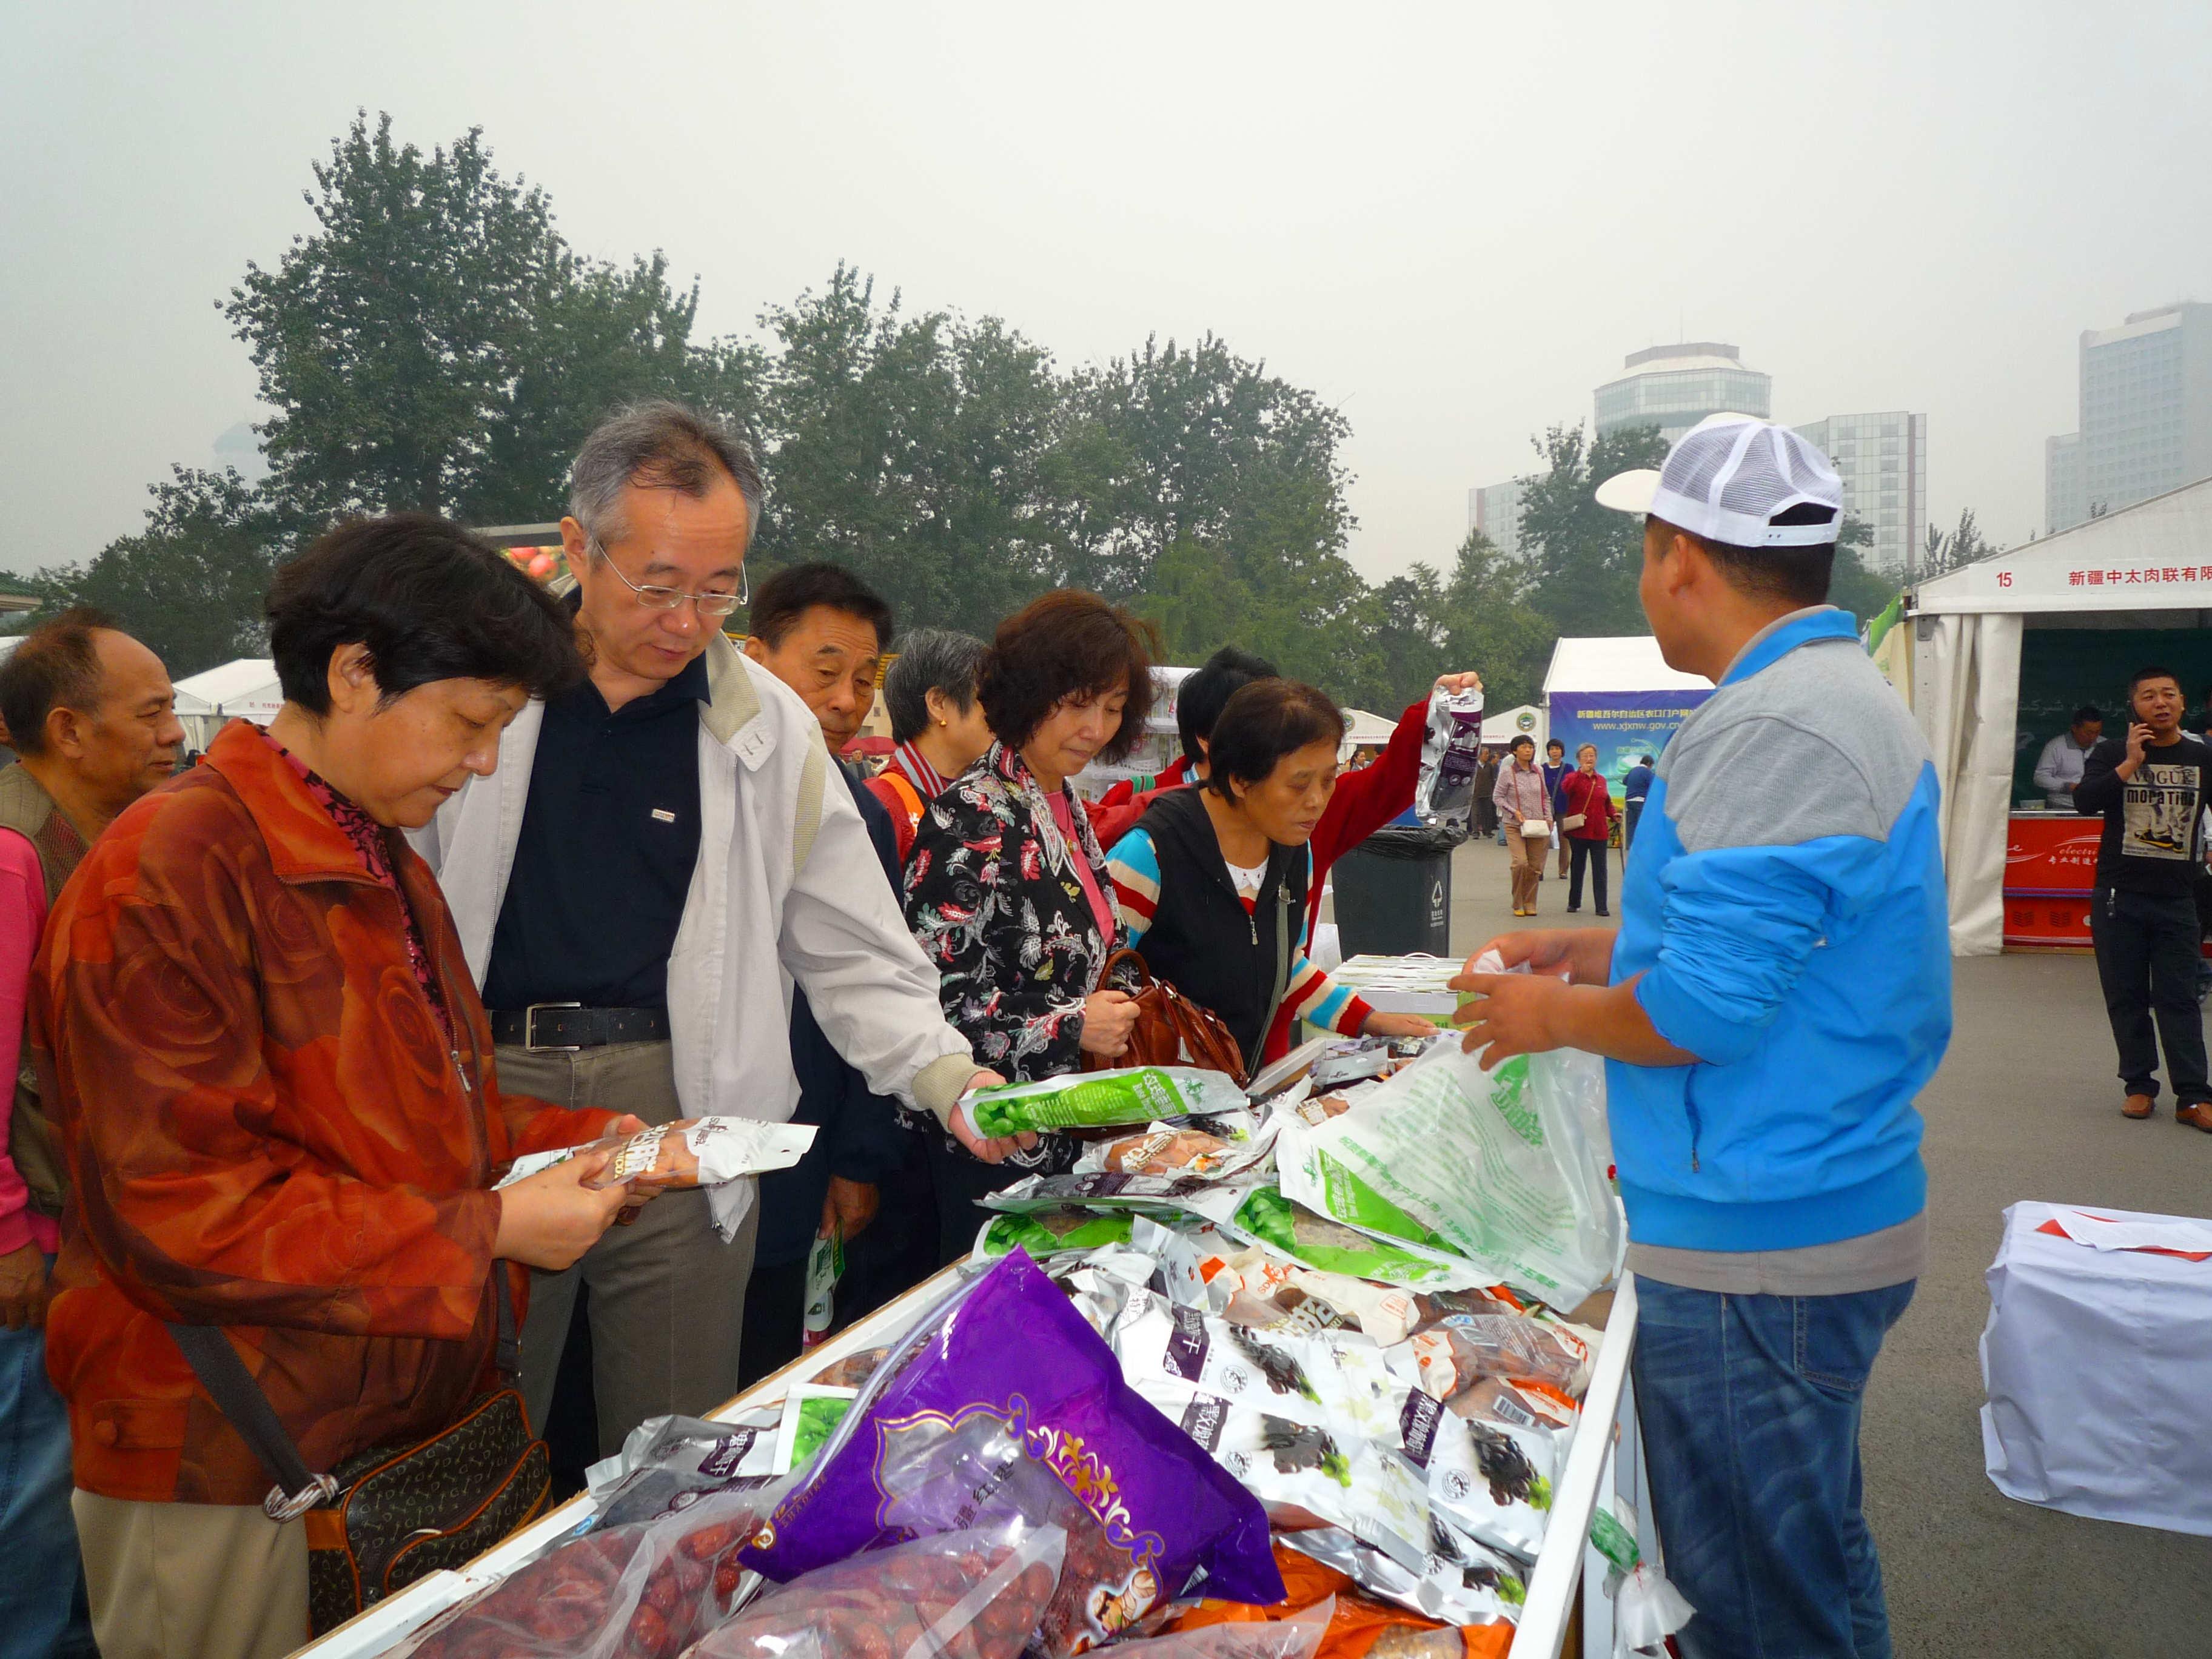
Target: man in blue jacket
{"type": "Point", "coordinates": [1778, 992]}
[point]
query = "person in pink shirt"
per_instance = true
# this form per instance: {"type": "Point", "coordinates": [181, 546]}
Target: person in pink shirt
{"type": "Point", "coordinates": [92, 718]}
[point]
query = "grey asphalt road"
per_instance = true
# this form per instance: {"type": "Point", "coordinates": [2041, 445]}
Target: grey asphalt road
{"type": "Point", "coordinates": [2025, 1107]}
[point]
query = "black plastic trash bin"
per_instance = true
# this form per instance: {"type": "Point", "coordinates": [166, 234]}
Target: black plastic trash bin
{"type": "Point", "coordinates": [1393, 893]}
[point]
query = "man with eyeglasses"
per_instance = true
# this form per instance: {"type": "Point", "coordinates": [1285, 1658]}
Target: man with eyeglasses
{"type": "Point", "coordinates": [655, 863]}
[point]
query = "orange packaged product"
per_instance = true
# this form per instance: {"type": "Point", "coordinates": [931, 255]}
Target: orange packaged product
{"type": "Point", "coordinates": [1363, 1627]}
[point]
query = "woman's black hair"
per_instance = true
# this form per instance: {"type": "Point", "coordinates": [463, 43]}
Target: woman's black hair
{"type": "Point", "coordinates": [1259, 724]}
{"type": "Point", "coordinates": [1066, 644]}
{"type": "Point", "coordinates": [427, 600]}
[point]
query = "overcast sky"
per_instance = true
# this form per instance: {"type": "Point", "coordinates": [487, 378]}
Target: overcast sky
{"type": "Point", "coordinates": [1451, 221]}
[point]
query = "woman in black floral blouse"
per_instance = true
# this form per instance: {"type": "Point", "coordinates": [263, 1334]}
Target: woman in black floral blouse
{"type": "Point", "coordinates": [1007, 887]}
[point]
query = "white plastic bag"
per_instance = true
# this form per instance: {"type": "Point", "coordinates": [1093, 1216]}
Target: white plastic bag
{"type": "Point", "coordinates": [1497, 1167]}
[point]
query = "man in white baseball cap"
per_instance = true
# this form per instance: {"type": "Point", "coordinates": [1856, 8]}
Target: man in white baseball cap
{"type": "Point", "coordinates": [1777, 993]}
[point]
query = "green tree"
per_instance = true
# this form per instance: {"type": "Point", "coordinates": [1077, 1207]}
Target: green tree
{"type": "Point", "coordinates": [1404, 620]}
{"type": "Point", "coordinates": [1583, 558]}
{"type": "Point", "coordinates": [435, 344]}
{"type": "Point", "coordinates": [918, 451]}
{"type": "Point", "coordinates": [1865, 594]}
{"type": "Point", "coordinates": [191, 583]}
{"type": "Point", "coordinates": [1200, 444]}
{"type": "Point", "coordinates": [1494, 627]}
{"type": "Point", "coordinates": [1963, 545]}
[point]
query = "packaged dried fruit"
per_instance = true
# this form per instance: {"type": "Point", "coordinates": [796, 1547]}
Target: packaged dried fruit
{"type": "Point", "coordinates": [1360, 1625]}
{"type": "Point", "coordinates": [1460, 1349]}
{"type": "Point", "coordinates": [1004, 1404]}
{"type": "Point", "coordinates": [976, 1594]}
{"type": "Point", "coordinates": [644, 1591]}
{"type": "Point", "coordinates": [704, 1152]}
{"type": "Point", "coordinates": [669, 1463]}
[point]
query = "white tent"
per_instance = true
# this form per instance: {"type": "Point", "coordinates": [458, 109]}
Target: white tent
{"type": "Point", "coordinates": [1522, 720]}
{"type": "Point", "coordinates": [1627, 662]}
{"type": "Point", "coordinates": [1617, 694]}
{"type": "Point", "coordinates": [2146, 566]}
{"type": "Point", "coordinates": [1362, 729]}
{"type": "Point", "coordinates": [245, 688]}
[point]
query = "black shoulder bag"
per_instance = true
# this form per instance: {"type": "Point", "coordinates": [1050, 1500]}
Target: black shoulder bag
{"type": "Point", "coordinates": [388, 1516]}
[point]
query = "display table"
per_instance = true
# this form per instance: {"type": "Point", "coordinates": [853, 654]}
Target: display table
{"type": "Point", "coordinates": [1605, 1457]}
{"type": "Point", "coordinates": [2050, 865]}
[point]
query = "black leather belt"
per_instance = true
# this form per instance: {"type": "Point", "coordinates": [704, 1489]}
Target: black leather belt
{"type": "Point", "coordinates": [566, 1025]}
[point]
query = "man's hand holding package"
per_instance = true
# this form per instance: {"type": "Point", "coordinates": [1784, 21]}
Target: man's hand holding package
{"type": "Point", "coordinates": [1562, 1001]}
{"type": "Point", "coordinates": [983, 1146]}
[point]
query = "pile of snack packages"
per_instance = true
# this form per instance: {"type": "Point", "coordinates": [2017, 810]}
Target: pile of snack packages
{"type": "Point", "coordinates": [1268, 1374]}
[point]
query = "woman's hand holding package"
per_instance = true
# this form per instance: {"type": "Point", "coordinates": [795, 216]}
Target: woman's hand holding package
{"type": "Point", "coordinates": [1109, 1017]}
{"type": "Point", "coordinates": [1380, 1023]}
{"type": "Point", "coordinates": [550, 1218]}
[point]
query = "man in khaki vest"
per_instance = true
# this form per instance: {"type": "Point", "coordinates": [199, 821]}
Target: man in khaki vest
{"type": "Point", "coordinates": [91, 716]}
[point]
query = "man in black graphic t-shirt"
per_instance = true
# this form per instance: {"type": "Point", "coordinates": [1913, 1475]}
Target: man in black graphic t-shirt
{"type": "Point", "coordinates": [2151, 787]}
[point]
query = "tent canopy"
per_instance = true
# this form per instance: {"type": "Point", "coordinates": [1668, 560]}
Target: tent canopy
{"type": "Point", "coordinates": [246, 686]}
{"type": "Point", "coordinates": [1626, 663]}
{"type": "Point", "coordinates": [2154, 559]}
{"type": "Point", "coordinates": [1522, 720]}
{"type": "Point", "coordinates": [2155, 555]}
{"type": "Point", "coordinates": [1361, 728]}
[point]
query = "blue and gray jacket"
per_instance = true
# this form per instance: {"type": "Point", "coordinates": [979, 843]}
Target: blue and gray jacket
{"type": "Point", "coordinates": [1785, 906]}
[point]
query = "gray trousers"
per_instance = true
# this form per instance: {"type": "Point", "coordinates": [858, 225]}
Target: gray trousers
{"type": "Point", "coordinates": [668, 1295]}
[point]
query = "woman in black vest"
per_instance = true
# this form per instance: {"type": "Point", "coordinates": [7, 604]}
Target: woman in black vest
{"type": "Point", "coordinates": [1211, 883]}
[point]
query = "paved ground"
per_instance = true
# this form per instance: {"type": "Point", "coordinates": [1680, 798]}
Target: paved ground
{"type": "Point", "coordinates": [2025, 1107]}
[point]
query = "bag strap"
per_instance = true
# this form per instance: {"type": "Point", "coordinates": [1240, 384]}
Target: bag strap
{"type": "Point", "coordinates": [208, 1352]}
{"type": "Point", "coordinates": [910, 797]}
{"type": "Point", "coordinates": [1134, 960]}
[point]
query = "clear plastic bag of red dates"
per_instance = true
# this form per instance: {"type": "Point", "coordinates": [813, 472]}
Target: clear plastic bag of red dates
{"type": "Point", "coordinates": [971, 1594]}
{"type": "Point", "coordinates": [645, 1590]}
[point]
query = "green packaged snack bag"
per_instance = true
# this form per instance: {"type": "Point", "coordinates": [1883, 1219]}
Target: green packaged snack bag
{"type": "Point", "coordinates": [1303, 1235]}
{"type": "Point", "coordinates": [1085, 1100]}
{"type": "Point", "coordinates": [1052, 1231]}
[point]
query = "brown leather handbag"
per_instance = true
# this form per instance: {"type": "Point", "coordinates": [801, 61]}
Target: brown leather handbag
{"type": "Point", "coordinates": [388, 1516]}
{"type": "Point", "coordinates": [1171, 1030]}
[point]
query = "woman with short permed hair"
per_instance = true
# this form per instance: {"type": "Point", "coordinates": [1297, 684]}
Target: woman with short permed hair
{"type": "Point", "coordinates": [1006, 886]}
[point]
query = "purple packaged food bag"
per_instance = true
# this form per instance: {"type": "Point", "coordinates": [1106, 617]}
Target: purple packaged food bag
{"type": "Point", "coordinates": [1003, 1401]}
{"type": "Point", "coordinates": [1450, 753]}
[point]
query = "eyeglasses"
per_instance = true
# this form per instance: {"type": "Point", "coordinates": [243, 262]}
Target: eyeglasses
{"type": "Point", "coordinates": [713, 605]}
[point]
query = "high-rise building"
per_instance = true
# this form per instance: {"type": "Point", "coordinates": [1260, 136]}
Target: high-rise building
{"type": "Point", "coordinates": [1674, 387]}
{"type": "Point", "coordinates": [2063, 503]}
{"type": "Point", "coordinates": [1882, 459]}
{"type": "Point", "coordinates": [1495, 510]}
{"type": "Point", "coordinates": [2145, 415]}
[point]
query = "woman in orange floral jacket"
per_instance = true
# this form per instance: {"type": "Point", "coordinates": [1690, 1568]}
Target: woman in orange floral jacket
{"type": "Point", "coordinates": [277, 1096]}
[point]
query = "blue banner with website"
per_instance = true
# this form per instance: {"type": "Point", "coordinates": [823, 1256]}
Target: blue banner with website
{"type": "Point", "coordinates": [1626, 725]}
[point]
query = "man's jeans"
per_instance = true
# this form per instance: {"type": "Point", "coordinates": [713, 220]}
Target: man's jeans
{"type": "Point", "coordinates": [1750, 1409]}
{"type": "Point", "coordinates": [2147, 963]}
{"type": "Point", "coordinates": [42, 1604]}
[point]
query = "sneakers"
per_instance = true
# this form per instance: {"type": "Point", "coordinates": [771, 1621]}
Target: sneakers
{"type": "Point", "coordinates": [2137, 1106]}
{"type": "Point", "coordinates": [2197, 1115]}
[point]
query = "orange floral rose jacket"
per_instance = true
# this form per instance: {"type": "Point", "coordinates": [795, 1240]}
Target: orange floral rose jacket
{"type": "Point", "coordinates": [265, 1130]}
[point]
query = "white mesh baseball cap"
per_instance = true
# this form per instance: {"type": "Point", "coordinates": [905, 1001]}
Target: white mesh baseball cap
{"type": "Point", "coordinates": [1728, 478]}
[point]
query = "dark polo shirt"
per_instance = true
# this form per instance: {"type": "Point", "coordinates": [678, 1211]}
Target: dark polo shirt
{"type": "Point", "coordinates": [610, 839]}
